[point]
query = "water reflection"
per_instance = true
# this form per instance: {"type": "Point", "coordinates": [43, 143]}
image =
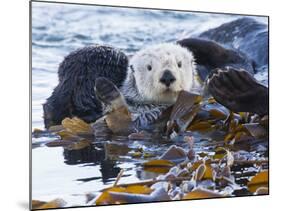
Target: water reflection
{"type": "Point", "coordinates": [90, 154]}
{"type": "Point", "coordinates": [108, 156]}
{"type": "Point", "coordinates": [94, 155]}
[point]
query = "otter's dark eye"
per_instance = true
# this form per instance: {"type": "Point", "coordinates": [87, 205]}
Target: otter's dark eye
{"type": "Point", "coordinates": [179, 64]}
{"type": "Point", "coordinates": [149, 67]}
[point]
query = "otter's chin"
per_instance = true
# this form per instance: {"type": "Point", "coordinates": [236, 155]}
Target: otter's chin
{"type": "Point", "coordinates": [168, 95]}
{"type": "Point", "coordinates": [169, 91]}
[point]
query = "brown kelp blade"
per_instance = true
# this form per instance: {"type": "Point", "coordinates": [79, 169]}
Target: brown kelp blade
{"type": "Point", "coordinates": [119, 121]}
{"type": "Point", "coordinates": [183, 104]}
{"type": "Point", "coordinates": [184, 111]}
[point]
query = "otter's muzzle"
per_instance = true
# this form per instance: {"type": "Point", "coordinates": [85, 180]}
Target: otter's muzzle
{"type": "Point", "coordinates": [167, 78]}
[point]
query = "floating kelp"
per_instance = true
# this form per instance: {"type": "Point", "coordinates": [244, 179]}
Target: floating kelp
{"type": "Point", "coordinates": [183, 112]}
{"type": "Point", "coordinates": [142, 135]}
{"type": "Point", "coordinates": [107, 197]}
{"type": "Point", "coordinates": [119, 120]}
{"type": "Point", "coordinates": [56, 203]}
{"type": "Point", "coordinates": [201, 150]}
{"type": "Point", "coordinates": [260, 180]}
{"type": "Point", "coordinates": [174, 153]}
{"type": "Point", "coordinates": [76, 126]}
{"type": "Point", "coordinates": [202, 194]}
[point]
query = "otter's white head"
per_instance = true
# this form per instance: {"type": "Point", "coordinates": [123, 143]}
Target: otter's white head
{"type": "Point", "coordinates": [161, 71]}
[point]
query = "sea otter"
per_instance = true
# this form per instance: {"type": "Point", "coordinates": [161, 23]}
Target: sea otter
{"type": "Point", "coordinates": [154, 76]}
{"type": "Point", "coordinates": [151, 78]}
{"type": "Point", "coordinates": [157, 73]}
{"type": "Point", "coordinates": [75, 95]}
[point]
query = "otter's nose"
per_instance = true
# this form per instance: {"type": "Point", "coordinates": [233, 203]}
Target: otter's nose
{"type": "Point", "coordinates": [167, 78]}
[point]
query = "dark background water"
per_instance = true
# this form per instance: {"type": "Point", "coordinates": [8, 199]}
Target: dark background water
{"type": "Point", "coordinates": [58, 29]}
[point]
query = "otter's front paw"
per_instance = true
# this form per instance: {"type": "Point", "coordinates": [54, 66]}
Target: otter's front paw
{"type": "Point", "coordinates": [109, 94]}
{"type": "Point", "coordinates": [238, 90]}
{"type": "Point", "coordinates": [106, 90]}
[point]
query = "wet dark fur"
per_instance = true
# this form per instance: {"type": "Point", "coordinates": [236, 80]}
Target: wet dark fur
{"type": "Point", "coordinates": [250, 36]}
{"type": "Point", "coordinates": [210, 55]}
{"type": "Point", "coordinates": [239, 91]}
{"type": "Point", "coordinates": [75, 95]}
{"type": "Point", "coordinates": [217, 47]}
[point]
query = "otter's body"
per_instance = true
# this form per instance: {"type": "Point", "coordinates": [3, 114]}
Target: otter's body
{"type": "Point", "coordinates": [150, 82]}
{"type": "Point", "coordinates": [75, 95]}
{"type": "Point", "coordinates": [153, 77]}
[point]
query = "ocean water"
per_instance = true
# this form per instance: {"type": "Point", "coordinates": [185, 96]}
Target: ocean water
{"type": "Point", "coordinates": [58, 29]}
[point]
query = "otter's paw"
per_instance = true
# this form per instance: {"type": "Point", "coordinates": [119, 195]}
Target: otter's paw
{"type": "Point", "coordinates": [238, 90]}
{"type": "Point", "coordinates": [108, 93]}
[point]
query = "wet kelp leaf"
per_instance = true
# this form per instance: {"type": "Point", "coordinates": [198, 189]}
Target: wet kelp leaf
{"type": "Point", "coordinates": [241, 136]}
{"type": "Point", "coordinates": [119, 121]}
{"type": "Point", "coordinates": [211, 100]}
{"type": "Point", "coordinates": [37, 133]}
{"type": "Point", "coordinates": [137, 154]}
{"type": "Point", "coordinates": [59, 143]}
{"type": "Point", "coordinates": [234, 123]}
{"type": "Point", "coordinates": [55, 128]}
{"type": "Point", "coordinates": [182, 123]}
{"type": "Point", "coordinates": [37, 130]}
{"type": "Point", "coordinates": [202, 154]}
{"type": "Point", "coordinates": [203, 171]}
{"type": "Point", "coordinates": [70, 143]}
{"type": "Point", "coordinates": [184, 110]}
{"type": "Point", "coordinates": [202, 194]}
{"type": "Point", "coordinates": [157, 195]}
{"type": "Point", "coordinates": [238, 133]}
{"type": "Point", "coordinates": [229, 137]}
{"type": "Point", "coordinates": [256, 130]}
{"type": "Point", "coordinates": [220, 153]}
{"type": "Point", "coordinates": [159, 163]}
{"type": "Point", "coordinates": [203, 126]}
{"type": "Point", "coordinates": [142, 135]}
{"type": "Point", "coordinates": [173, 153]}
{"type": "Point", "coordinates": [100, 128]}
{"type": "Point", "coordinates": [105, 197]}
{"type": "Point", "coordinates": [259, 180]}
{"type": "Point", "coordinates": [184, 103]}
{"type": "Point", "coordinates": [157, 169]}
{"type": "Point", "coordinates": [76, 126]}
{"type": "Point", "coordinates": [217, 113]}
{"type": "Point", "coordinates": [148, 155]}
{"type": "Point", "coordinates": [161, 121]}
{"type": "Point", "coordinates": [208, 173]}
{"type": "Point", "coordinates": [200, 171]}
{"type": "Point", "coordinates": [57, 203]}
{"type": "Point", "coordinates": [262, 191]}
{"type": "Point", "coordinates": [196, 164]}
{"type": "Point", "coordinates": [158, 166]}
{"type": "Point", "coordinates": [37, 203]}
{"type": "Point", "coordinates": [79, 145]}
{"type": "Point", "coordinates": [68, 136]}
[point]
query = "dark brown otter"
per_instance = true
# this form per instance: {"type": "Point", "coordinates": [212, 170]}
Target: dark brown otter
{"type": "Point", "coordinates": [75, 94]}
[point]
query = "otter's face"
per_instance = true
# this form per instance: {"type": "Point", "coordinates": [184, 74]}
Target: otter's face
{"type": "Point", "coordinates": [162, 71]}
